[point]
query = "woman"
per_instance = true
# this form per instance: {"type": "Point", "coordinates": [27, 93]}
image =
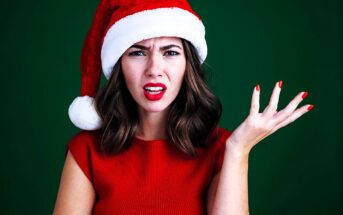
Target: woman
{"type": "Point", "coordinates": [156, 147]}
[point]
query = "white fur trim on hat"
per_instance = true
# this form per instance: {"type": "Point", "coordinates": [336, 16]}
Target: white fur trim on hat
{"type": "Point", "coordinates": [83, 114]}
{"type": "Point", "coordinates": [173, 22]}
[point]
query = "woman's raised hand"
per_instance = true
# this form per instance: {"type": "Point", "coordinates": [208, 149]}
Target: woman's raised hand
{"type": "Point", "coordinates": [258, 126]}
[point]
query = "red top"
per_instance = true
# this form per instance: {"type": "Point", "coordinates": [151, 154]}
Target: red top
{"type": "Point", "coordinates": [152, 177]}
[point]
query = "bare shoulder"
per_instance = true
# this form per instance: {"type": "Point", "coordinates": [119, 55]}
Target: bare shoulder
{"type": "Point", "coordinates": [76, 194]}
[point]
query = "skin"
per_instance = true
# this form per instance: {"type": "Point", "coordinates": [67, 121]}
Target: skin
{"type": "Point", "coordinates": [157, 60]}
{"type": "Point", "coordinates": [228, 192]}
{"type": "Point", "coordinates": [76, 194]}
{"type": "Point", "coordinates": [229, 189]}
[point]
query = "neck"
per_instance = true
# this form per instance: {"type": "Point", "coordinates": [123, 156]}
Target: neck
{"type": "Point", "coordinates": [152, 126]}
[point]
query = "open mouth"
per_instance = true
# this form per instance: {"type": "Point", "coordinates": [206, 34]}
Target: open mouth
{"type": "Point", "coordinates": [154, 91]}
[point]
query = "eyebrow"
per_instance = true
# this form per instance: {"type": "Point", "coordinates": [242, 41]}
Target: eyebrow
{"type": "Point", "coordinates": [163, 48]}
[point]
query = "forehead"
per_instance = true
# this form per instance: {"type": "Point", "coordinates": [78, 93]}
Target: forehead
{"type": "Point", "coordinates": [160, 41]}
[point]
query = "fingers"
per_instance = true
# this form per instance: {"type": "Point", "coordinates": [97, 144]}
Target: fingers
{"type": "Point", "coordinates": [295, 115]}
{"type": "Point", "coordinates": [258, 126]}
{"type": "Point", "coordinates": [283, 117]}
{"type": "Point", "coordinates": [255, 101]}
{"type": "Point", "coordinates": [274, 100]}
{"type": "Point", "coordinates": [289, 109]}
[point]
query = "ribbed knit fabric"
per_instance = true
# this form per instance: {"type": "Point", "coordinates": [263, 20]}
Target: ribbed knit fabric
{"type": "Point", "coordinates": [152, 177]}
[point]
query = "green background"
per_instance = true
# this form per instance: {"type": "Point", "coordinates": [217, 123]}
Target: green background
{"type": "Point", "coordinates": [298, 170]}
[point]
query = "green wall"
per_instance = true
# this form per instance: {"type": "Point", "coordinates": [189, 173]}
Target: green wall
{"type": "Point", "coordinates": [298, 170]}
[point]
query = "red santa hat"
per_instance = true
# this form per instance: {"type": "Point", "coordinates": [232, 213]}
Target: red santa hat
{"type": "Point", "coordinates": [117, 25]}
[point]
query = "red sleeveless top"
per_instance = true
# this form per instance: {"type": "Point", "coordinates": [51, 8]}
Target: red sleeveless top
{"type": "Point", "coordinates": [152, 177]}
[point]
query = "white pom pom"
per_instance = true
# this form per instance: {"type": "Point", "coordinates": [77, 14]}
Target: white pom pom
{"type": "Point", "coordinates": [83, 114]}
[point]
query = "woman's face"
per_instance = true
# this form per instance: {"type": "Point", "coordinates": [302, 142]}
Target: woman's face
{"type": "Point", "coordinates": [153, 70]}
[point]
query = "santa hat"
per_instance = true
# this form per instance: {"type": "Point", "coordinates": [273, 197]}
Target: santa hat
{"type": "Point", "coordinates": [117, 25]}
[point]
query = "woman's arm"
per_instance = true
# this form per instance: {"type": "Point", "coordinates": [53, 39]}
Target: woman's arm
{"type": "Point", "coordinates": [76, 194]}
{"type": "Point", "coordinates": [228, 193]}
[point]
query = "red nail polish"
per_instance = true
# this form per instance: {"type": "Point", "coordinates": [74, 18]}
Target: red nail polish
{"type": "Point", "coordinates": [304, 95]}
{"type": "Point", "coordinates": [280, 84]}
{"type": "Point", "coordinates": [258, 87]}
{"type": "Point", "coordinates": [310, 107]}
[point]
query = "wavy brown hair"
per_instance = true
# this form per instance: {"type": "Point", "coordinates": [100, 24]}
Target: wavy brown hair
{"type": "Point", "coordinates": [193, 114]}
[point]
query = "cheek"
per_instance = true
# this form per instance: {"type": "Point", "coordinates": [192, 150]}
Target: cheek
{"type": "Point", "coordinates": [130, 75]}
{"type": "Point", "coordinates": [179, 73]}
{"type": "Point", "coordinates": [131, 81]}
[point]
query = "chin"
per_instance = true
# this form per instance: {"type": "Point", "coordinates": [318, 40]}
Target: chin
{"type": "Point", "coordinates": [155, 108]}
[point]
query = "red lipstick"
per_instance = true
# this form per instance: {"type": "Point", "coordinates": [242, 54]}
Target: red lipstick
{"type": "Point", "coordinates": [154, 91]}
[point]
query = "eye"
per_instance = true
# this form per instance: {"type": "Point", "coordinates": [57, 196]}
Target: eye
{"type": "Point", "coordinates": [171, 53]}
{"type": "Point", "coordinates": [137, 53]}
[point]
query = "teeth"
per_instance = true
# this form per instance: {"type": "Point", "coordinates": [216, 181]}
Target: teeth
{"type": "Point", "coordinates": [152, 89]}
{"type": "Point", "coordinates": [154, 92]}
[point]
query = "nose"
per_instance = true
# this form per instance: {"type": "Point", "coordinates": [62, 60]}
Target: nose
{"type": "Point", "coordinates": [154, 66]}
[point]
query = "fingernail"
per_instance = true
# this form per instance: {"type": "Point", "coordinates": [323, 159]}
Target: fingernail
{"type": "Point", "coordinates": [310, 107]}
{"type": "Point", "coordinates": [280, 84]}
{"type": "Point", "coordinates": [304, 95]}
{"type": "Point", "coordinates": [258, 87]}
